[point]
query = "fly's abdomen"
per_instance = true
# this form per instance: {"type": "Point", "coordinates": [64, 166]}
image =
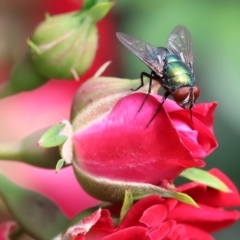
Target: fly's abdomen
{"type": "Point", "coordinates": [177, 72]}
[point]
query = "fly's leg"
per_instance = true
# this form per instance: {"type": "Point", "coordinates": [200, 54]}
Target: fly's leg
{"type": "Point", "coordinates": [142, 82]}
{"type": "Point", "coordinates": [166, 94]}
{"type": "Point", "coordinates": [141, 85]}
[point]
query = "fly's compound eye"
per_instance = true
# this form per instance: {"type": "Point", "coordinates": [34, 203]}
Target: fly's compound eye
{"type": "Point", "coordinates": [196, 92]}
{"type": "Point", "coordinates": [182, 95]}
{"type": "Point", "coordinates": [186, 96]}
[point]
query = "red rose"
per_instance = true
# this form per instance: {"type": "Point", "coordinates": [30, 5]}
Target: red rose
{"type": "Point", "coordinates": [154, 218]}
{"type": "Point", "coordinates": [95, 227]}
{"type": "Point", "coordinates": [117, 145]}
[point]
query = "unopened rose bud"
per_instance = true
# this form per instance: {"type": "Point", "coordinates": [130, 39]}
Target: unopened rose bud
{"type": "Point", "coordinates": [115, 150]}
{"type": "Point", "coordinates": [64, 46]}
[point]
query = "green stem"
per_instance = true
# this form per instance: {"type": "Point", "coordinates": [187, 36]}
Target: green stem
{"type": "Point", "coordinates": [10, 151]}
{"type": "Point", "coordinates": [27, 151]}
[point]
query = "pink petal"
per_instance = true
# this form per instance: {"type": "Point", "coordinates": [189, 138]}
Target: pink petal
{"type": "Point", "coordinates": [120, 147]}
{"type": "Point", "coordinates": [204, 112]}
{"type": "Point", "coordinates": [198, 137]}
{"type": "Point", "coordinates": [189, 139]}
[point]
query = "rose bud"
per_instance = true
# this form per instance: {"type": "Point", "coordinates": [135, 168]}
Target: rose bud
{"type": "Point", "coordinates": [64, 46]}
{"type": "Point", "coordinates": [114, 148]}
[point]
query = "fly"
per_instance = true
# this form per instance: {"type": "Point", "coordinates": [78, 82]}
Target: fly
{"type": "Point", "coordinates": [171, 67]}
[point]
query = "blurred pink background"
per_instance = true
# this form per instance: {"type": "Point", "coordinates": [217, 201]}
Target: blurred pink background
{"type": "Point", "coordinates": [27, 112]}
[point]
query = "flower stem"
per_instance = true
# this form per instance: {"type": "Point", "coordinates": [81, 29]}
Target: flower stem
{"type": "Point", "coordinates": [9, 151]}
{"type": "Point", "coordinates": [27, 151]}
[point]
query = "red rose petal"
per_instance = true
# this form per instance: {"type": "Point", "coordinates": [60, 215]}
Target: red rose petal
{"type": "Point", "coordinates": [120, 147]}
{"type": "Point", "coordinates": [204, 112]}
{"type": "Point", "coordinates": [192, 233]}
{"type": "Point", "coordinates": [105, 222]}
{"type": "Point", "coordinates": [154, 215]}
{"type": "Point", "coordinates": [212, 197]}
{"type": "Point", "coordinates": [198, 137]}
{"type": "Point", "coordinates": [131, 233]}
{"type": "Point", "coordinates": [97, 224]}
{"type": "Point", "coordinates": [190, 141]}
{"type": "Point", "coordinates": [207, 218]}
{"type": "Point", "coordinates": [163, 231]}
{"type": "Point", "coordinates": [137, 210]}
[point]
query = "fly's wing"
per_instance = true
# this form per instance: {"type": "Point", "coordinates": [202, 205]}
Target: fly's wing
{"type": "Point", "coordinates": [180, 43]}
{"type": "Point", "coordinates": [150, 55]}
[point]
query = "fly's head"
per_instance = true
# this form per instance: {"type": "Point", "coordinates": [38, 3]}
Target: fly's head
{"type": "Point", "coordinates": [186, 96]}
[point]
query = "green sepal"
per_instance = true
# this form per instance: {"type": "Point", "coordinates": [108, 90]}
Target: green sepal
{"type": "Point", "coordinates": [127, 204]}
{"type": "Point", "coordinates": [184, 198]}
{"type": "Point", "coordinates": [99, 11]}
{"type": "Point", "coordinates": [88, 4]}
{"type": "Point", "coordinates": [34, 47]}
{"type": "Point", "coordinates": [59, 165]}
{"type": "Point", "coordinates": [114, 190]}
{"type": "Point", "coordinates": [204, 177]}
{"type": "Point", "coordinates": [36, 214]}
{"type": "Point", "coordinates": [53, 137]}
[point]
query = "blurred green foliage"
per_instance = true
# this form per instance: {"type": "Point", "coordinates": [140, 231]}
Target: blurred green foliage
{"type": "Point", "coordinates": [215, 29]}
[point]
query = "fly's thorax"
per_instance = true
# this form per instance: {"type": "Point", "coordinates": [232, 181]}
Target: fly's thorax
{"type": "Point", "coordinates": [157, 58]}
{"type": "Point", "coordinates": [177, 73]}
{"type": "Point", "coordinates": [172, 58]}
{"type": "Point", "coordinates": [184, 79]}
{"type": "Point", "coordinates": [174, 66]}
{"type": "Point", "coordinates": [157, 52]}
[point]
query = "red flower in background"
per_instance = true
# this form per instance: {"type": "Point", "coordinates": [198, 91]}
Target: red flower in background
{"type": "Point", "coordinates": [121, 147]}
{"type": "Point", "coordinates": [154, 218]}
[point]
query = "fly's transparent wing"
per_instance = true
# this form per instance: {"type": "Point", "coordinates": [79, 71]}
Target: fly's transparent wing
{"type": "Point", "coordinates": [150, 55]}
{"type": "Point", "coordinates": [180, 42]}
